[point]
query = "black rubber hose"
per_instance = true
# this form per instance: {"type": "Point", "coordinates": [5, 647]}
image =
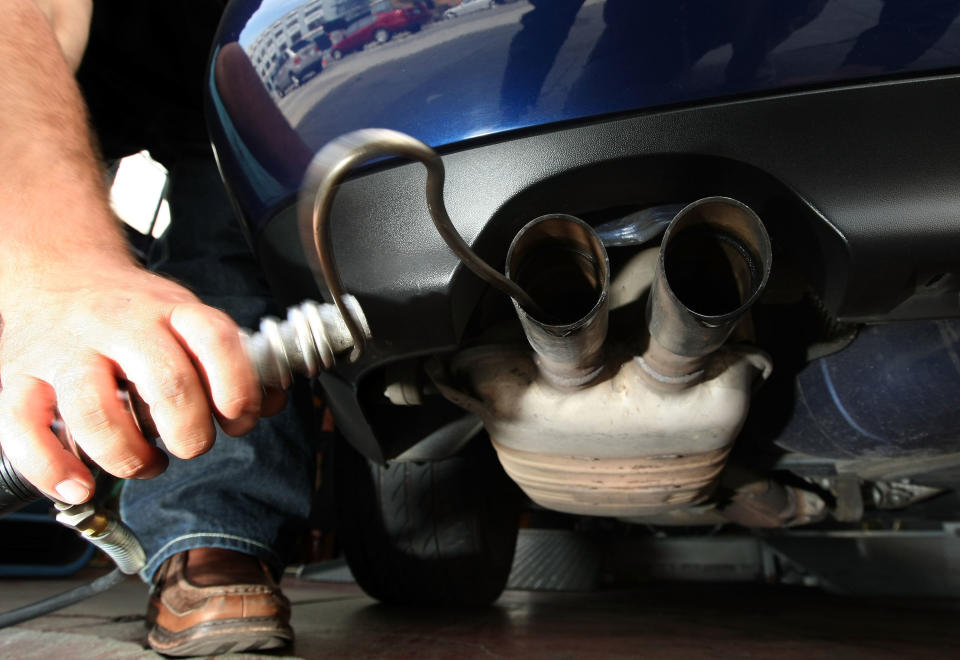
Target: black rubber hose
{"type": "Point", "coordinates": [60, 601]}
{"type": "Point", "coordinates": [15, 491]}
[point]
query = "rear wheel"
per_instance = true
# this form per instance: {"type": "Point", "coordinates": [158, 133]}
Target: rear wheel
{"type": "Point", "coordinates": [337, 54]}
{"type": "Point", "coordinates": [437, 533]}
{"type": "Point", "coordinates": [382, 36]}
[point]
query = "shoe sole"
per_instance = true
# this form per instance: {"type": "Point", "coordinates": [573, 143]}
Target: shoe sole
{"type": "Point", "coordinates": [218, 637]}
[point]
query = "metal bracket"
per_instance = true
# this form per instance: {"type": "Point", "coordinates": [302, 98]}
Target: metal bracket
{"type": "Point", "coordinates": [330, 166]}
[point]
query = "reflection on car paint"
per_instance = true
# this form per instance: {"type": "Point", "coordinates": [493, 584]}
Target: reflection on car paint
{"type": "Point", "coordinates": [383, 21]}
{"type": "Point", "coordinates": [532, 63]}
{"type": "Point", "coordinates": [468, 7]}
{"type": "Point", "coordinates": [298, 63]}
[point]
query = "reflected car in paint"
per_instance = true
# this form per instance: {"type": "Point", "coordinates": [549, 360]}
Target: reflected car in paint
{"type": "Point", "coordinates": [468, 7]}
{"type": "Point", "coordinates": [300, 62]}
{"type": "Point", "coordinates": [378, 27]}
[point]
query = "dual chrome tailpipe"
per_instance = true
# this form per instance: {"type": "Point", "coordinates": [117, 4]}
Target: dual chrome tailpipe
{"type": "Point", "coordinates": [713, 265]}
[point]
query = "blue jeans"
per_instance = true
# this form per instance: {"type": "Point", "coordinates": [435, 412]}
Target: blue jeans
{"type": "Point", "coordinates": [252, 494]}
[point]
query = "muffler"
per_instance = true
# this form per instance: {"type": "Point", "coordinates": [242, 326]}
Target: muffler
{"type": "Point", "coordinates": [713, 266]}
{"type": "Point", "coordinates": [586, 428]}
{"type": "Point", "coordinates": [562, 265]}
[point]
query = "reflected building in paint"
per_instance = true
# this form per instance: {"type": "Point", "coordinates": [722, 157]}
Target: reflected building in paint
{"type": "Point", "coordinates": [303, 22]}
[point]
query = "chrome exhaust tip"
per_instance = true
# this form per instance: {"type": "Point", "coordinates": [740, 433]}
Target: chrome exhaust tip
{"type": "Point", "coordinates": [561, 263]}
{"type": "Point", "coordinates": [714, 264]}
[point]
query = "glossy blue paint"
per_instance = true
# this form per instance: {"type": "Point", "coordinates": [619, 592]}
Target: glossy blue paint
{"type": "Point", "coordinates": [529, 64]}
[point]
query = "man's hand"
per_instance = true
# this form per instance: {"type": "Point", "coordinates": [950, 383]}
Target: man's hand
{"type": "Point", "coordinates": [77, 312]}
{"type": "Point", "coordinates": [68, 336]}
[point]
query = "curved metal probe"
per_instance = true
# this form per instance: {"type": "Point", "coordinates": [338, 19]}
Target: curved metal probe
{"type": "Point", "coordinates": [327, 170]}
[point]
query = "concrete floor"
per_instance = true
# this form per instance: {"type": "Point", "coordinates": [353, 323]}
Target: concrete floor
{"type": "Point", "coordinates": [659, 621]}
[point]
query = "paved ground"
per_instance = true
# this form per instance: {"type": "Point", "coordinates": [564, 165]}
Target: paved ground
{"type": "Point", "coordinates": [668, 621]}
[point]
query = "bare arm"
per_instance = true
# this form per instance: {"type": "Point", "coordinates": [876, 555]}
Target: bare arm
{"type": "Point", "coordinates": [77, 312]}
{"type": "Point", "coordinates": [44, 139]}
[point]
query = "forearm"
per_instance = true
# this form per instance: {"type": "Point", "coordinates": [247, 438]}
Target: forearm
{"type": "Point", "coordinates": [53, 202]}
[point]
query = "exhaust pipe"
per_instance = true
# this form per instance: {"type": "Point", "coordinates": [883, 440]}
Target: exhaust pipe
{"type": "Point", "coordinates": [713, 266]}
{"type": "Point", "coordinates": [561, 263]}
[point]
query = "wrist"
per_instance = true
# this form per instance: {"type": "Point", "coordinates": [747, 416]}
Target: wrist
{"type": "Point", "coordinates": [61, 260]}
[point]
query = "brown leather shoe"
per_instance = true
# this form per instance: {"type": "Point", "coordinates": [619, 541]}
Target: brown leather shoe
{"type": "Point", "coordinates": [209, 601]}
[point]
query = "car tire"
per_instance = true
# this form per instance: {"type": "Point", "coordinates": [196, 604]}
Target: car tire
{"type": "Point", "coordinates": [381, 36]}
{"type": "Point", "coordinates": [427, 534]}
{"type": "Point", "coordinates": [337, 55]}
